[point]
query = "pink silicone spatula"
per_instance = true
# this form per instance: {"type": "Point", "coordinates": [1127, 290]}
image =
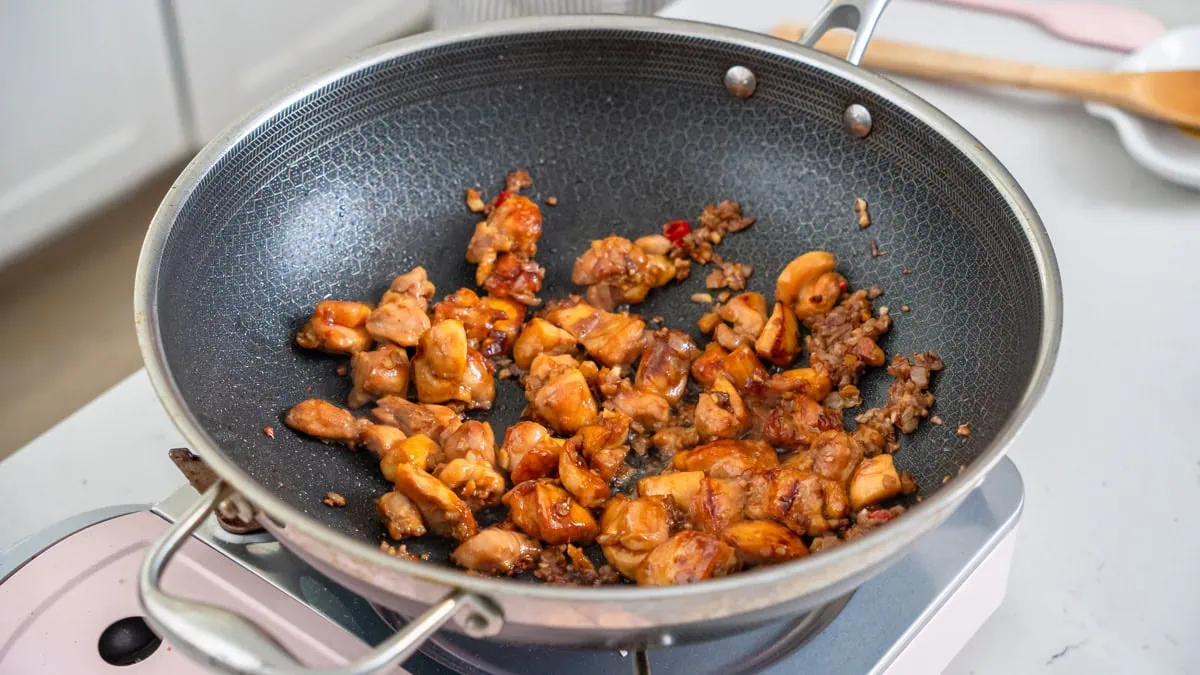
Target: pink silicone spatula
{"type": "Point", "coordinates": [1107, 26]}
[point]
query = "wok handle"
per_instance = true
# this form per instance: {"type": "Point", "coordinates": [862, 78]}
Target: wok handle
{"type": "Point", "coordinates": [233, 644]}
{"type": "Point", "coordinates": [860, 16]}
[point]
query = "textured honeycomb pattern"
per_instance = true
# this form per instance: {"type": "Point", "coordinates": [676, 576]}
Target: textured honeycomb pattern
{"type": "Point", "coordinates": [364, 179]}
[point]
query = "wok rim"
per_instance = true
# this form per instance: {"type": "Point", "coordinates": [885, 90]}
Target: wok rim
{"type": "Point", "coordinates": [835, 566]}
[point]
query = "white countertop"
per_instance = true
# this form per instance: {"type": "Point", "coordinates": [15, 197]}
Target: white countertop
{"type": "Point", "coordinates": [1107, 565]}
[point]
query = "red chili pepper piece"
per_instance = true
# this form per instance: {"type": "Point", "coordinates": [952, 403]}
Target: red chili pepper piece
{"type": "Point", "coordinates": [676, 230]}
{"type": "Point", "coordinates": [842, 285]}
{"type": "Point", "coordinates": [504, 194]}
{"type": "Point", "coordinates": [880, 514]}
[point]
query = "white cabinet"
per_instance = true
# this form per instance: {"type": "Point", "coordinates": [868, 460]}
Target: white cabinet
{"type": "Point", "coordinates": [237, 54]}
{"type": "Point", "coordinates": [87, 110]}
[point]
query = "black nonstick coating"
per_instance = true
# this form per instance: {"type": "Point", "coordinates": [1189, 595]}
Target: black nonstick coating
{"type": "Point", "coordinates": [365, 178]}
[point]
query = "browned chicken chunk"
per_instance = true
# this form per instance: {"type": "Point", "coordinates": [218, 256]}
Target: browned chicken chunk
{"type": "Point", "coordinates": [529, 452]}
{"type": "Point", "coordinates": [400, 317]}
{"type": "Point", "coordinates": [797, 421]}
{"type": "Point", "coordinates": [323, 420]}
{"type": "Point", "coordinates": [446, 369]}
{"type": "Point", "coordinates": [515, 278]}
{"type": "Point", "coordinates": [435, 421]}
{"type": "Point", "coordinates": [497, 552]}
{"type": "Point", "coordinates": [491, 324]}
{"type": "Point", "coordinates": [539, 336]}
{"type": "Point", "coordinates": [630, 529]}
{"type": "Point", "coordinates": [779, 341]}
{"type": "Point", "coordinates": [611, 339]}
{"type": "Point", "coordinates": [401, 517]}
{"type": "Point", "coordinates": [728, 458]}
{"type": "Point", "coordinates": [809, 285]}
{"type": "Point", "coordinates": [685, 558]}
{"type": "Point", "coordinates": [445, 514]}
{"type": "Point", "coordinates": [618, 271]}
{"type": "Point", "coordinates": [649, 410]}
{"type": "Point", "coordinates": [379, 438]}
{"type": "Point", "coordinates": [417, 450]}
{"type": "Point", "coordinates": [741, 367]}
{"type": "Point", "coordinates": [717, 504]}
{"type": "Point", "coordinates": [336, 327]}
{"type": "Point", "coordinates": [764, 542]}
{"type": "Point", "coordinates": [378, 373]}
{"type": "Point", "coordinates": [559, 394]}
{"type": "Point", "coordinates": [671, 440]}
{"type": "Point", "coordinates": [747, 315]}
{"type": "Point", "coordinates": [720, 412]}
{"type": "Point", "coordinates": [811, 382]}
{"type": "Point", "coordinates": [791, 496]}
{"type": "Point", "coordinates": [472, 440]}
{"type": "Point", "coordinates": [665, 364]}
{"type": "Point", "coordinates": [680, 487]}
{"type": "Point", "coordinates": [605, 443]}
{"type": "Point", "coordinates": [514, 226]}
{"type": "Point", "coordinates": [584, 484]}
{"type": "Point", "coordinates": [477, 482]}
{"type": "Point", "coordinates": [545, 511]}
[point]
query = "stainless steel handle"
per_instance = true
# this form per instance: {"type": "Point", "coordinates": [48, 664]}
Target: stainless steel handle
{"type": "Point", "coordinates": [233, 644]}
{"type": "Point", "coordinates": [860, 16]}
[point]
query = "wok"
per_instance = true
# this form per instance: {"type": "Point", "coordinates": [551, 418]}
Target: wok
{"type": "Point", "coordinates": [358, 175]}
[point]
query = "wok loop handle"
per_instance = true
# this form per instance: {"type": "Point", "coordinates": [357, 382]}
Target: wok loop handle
{"type": "Point", "coordinates": [860, 16]}
{"type": "Point", "coordinates": [233, 644]}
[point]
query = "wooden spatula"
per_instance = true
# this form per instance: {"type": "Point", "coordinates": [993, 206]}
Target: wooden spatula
{"type": "Point", "coordinates": [1172, 96]}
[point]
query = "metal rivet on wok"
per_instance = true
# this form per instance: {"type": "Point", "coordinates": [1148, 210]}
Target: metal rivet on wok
{"type": "Point", "coordinates": [857, 119]}
{"type": "Point", "coordinates": [740, 81]}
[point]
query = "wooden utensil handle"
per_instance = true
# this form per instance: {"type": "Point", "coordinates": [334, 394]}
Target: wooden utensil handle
{"type": "Point", "coordinates": [941, 64]}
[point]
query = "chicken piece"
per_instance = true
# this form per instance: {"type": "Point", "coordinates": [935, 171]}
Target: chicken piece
{"type": "Point", "coordinates": [835, 456]}
{"type": "Point", "coordinates": [680, 487]}
{"type": "Point", "coordinates": [741, 367]}
{"type": "Point", "coordinates": [648, 409]}
{"type": "Point", "coordinates": [400, 515]}
{"type": "Point", "coordinates": [797, 421]}
{"type": "Point", "coordinates": [323, 420]}
{"type": "Point", "coordinates": [497, 552]}
{"type": "Point", "coordinates": [529, 452]}
{"type": "Point", "coordinates": [665, 363]}
{"type": "Point", "coordinates": [379, 439]}
{"type": "Point", "coordinates": [378, 373]}
{"type": "Point", "coordinates": [539, 336]}
{"type": "Point", "coordinates": [605, 443]}
{"type": "Point", "coordinates": [630, 529]}
{"type": "Point", "coordinates": [717, 504]}
{"type": "Point", "coordinates": [435, 421]}
{"type": "Point", "coordinates": [475, 481]}
{"type": "Point", "coordinates": [418, 450]}
{"type": "Point", "coordinates": [400, 317]}
{"type": "Point", "coordinates": [513, 226]}
{"type": "Point", "coordinates": [720, 412]}
{"type": "Point", "coordinates": [516, 279]}
{"type": "Point", "coordinates": [336, 327]}
{"type": "Point", "coordinates": [446, 369]}
{"type": "Point", "coordinates": [672, 440]}
{"type": "Point", "coordinates": [779, 341]}
{"type": "Point", "coordinates": [685, 558]}
{"type": "Point", "coordinates": [545, 511]}
{"type": "Point", "coordinates": [444, 513]}
{"type": "Point", "coordinates": [874, 480]}
{"type": "Point", "coordinates": [728, 458]}
{"type": "Point", "coordinates": [473, 440]}
{"type": "Point", "coordinates": [611, 339]}
{"type": "Point", "coordinates": [491, 324]}
{"type": "Point", "coordinates": [809, 285]}
{"type": "Point", "coordinates": [793, 497]}
{"type": "Point", "coordinates": [747, 315]}
{"type": "Point", "coordinates": [559, 394]}
{"type": "Point", "coordinates": [588, 488]}
{"type": "Point", "coordinates": [811, 382]}
{"type": "Point", "coordinates": [618, 271]}
{"type": "Point", "coordinates": [764, 542]}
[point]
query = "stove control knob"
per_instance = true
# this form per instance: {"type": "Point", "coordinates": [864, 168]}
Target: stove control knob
{"type": "Point", "coordinates": [128, 641]}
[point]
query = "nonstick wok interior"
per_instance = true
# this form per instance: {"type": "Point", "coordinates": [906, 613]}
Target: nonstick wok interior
{"type": "Point", "coordinates": [365, 178]}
